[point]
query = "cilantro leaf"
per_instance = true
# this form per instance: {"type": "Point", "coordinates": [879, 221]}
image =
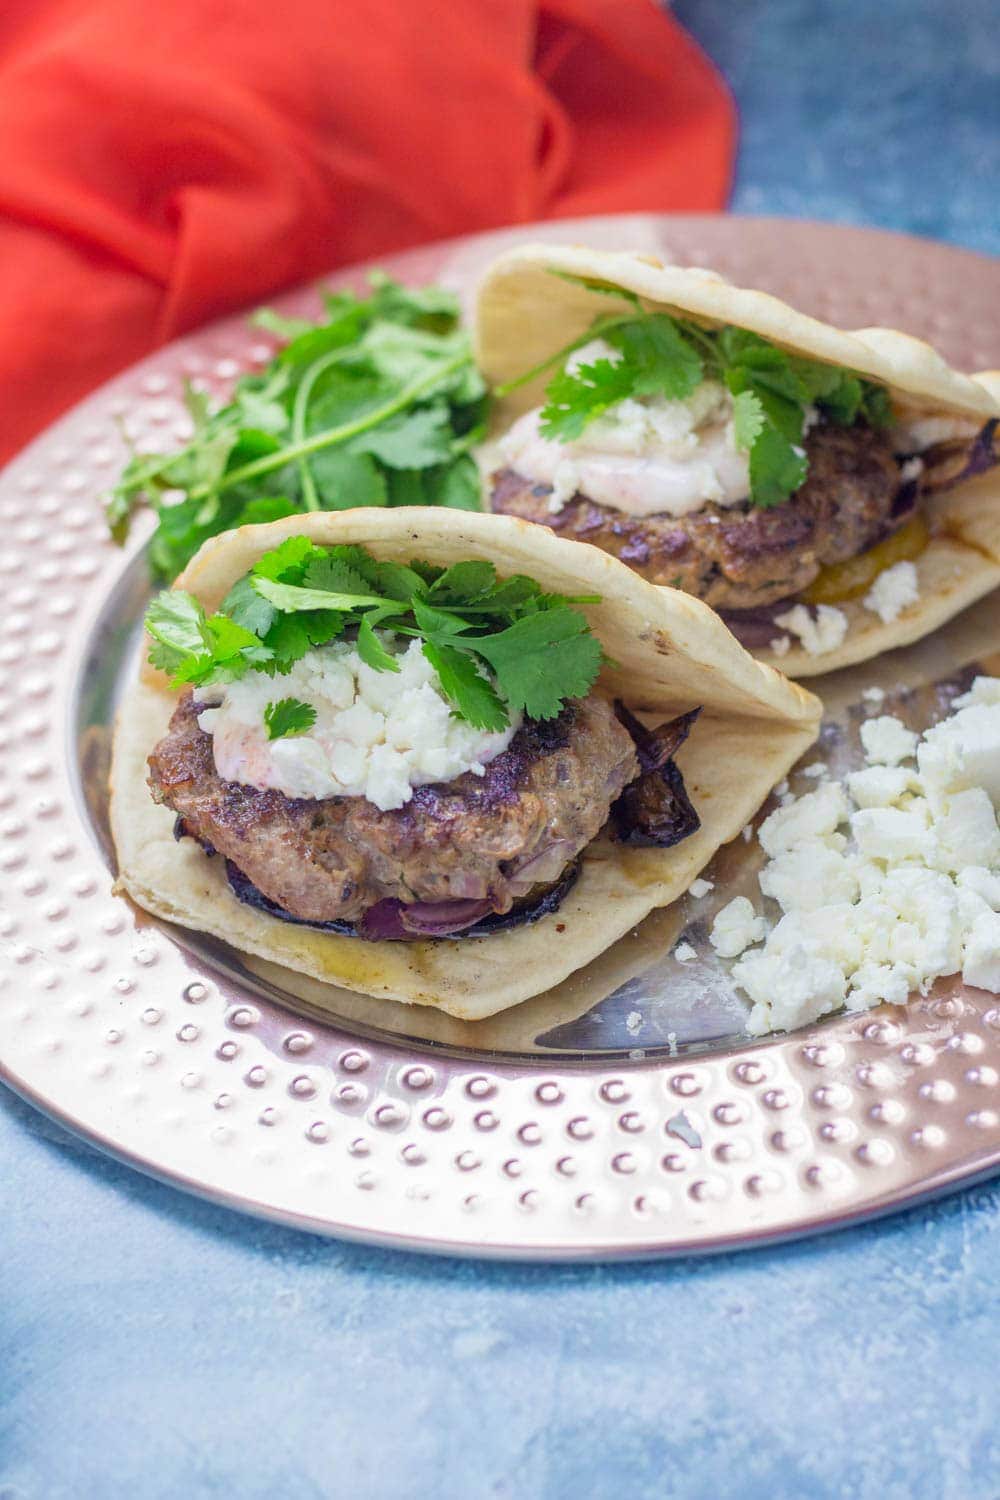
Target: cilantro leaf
{"type": "Point", "coordinates": [457, 485]}
{"type": "Point", "coordinates": [371, 650]}
{"type": "Point", "coordinates": [428, 307]}
{"type": "Point", "coordinates": [244, 605]}
{"type": "Point", "coordinates": [475, 699]}
{"type": "Point", "coordinates": [415, 440]}
{"type": "Point", "coordinates": [287, 641]}
{"type": "Point", "coordinates": [777, 467]}
{"type": "Point", "coordinates": [575, 398]}
{"type": "Point", "coordinates": [176, 622]}
{"type": "Point", "coordinates": [333, 572]}
{"type": "Point", "coordinates": [876, 406]}
{"type": "Point", "coordinates": [748, 419]}
{"type": "Point", "coordinates": [439, 624]}
{"type": "Point", "coordinates": [662, 361]}
{"type": "Point", "coordinates": [194, 649]}
{"type": "Point", "coordinates": [542, 660]}
{"type": "Point", "coordinates": [465, 581]}
{"type": "Point", "coordinates": [842, 402]}
{"type": "Point", "coordinates": [288, 716]}
{"type": "Point", "coordinates": [286, 561]}
{"type": "Point", "coordinates": [289, 598]}
{"type": "Point", "coordinates": [344, 480]}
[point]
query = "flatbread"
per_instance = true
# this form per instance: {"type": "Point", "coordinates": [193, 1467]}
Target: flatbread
{"type": "Point", "coordinates": [524, 314]}
{"type": "Point", "coordinates": [672, 653]}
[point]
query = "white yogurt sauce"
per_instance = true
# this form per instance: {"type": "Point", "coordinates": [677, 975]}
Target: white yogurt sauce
{"type": "Point", "coordinates": [645, 457]}
{"type": "Point", "coordinates": [376, 735]}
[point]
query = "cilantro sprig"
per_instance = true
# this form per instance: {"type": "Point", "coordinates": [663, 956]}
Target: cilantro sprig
{"type": "Point", "coordinates": [661, 355]}
{"type": "Point", "coordinates": [497, 645]}
{"type": "Point", "coordinates": [378, 404]}
{"type": "Point", "coordinates": [288, 716]}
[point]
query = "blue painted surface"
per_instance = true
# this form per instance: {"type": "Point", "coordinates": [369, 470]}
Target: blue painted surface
{"type": "Point", "coordinates": [153, 1346]}
{"type": "Point", "coordinates": [863, 112]}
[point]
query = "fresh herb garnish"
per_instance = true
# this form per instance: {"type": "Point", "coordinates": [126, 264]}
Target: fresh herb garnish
{"type": "Point", "coordinates": [288, 716]}
{"type": "Point", "coordinates": [377, 405]}
{"type": "Point", "coordinates": [496, 645]}
{"type": "Point", "coordinates": [660, 355]}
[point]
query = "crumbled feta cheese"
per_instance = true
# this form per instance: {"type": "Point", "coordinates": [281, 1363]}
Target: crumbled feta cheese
{"type": "Point", "coordinates": [735, 927]}
{"type": "Point", "coordinates": [981, 966]}
{"type": "Point", "coordinates": [818, 633]}
{"type": "Point", "coordinates": [809, 877]}
{"type": "Point", "coordinates": [817, 815]}
{"type": "Point", "coordinates": [890, 834]}
{"type": "Point", "coordinates": [894, 590]}
{"type": "Point", "coordinates": [983, 690]}
{"type": "Point", "coordinates": [911, 469]}
{"type": "Point", "coordinates": [964, 751]}
{"type": "Point", "coordinates": [878, 984]}
{"type": "Point", "coordinates": [633, 1022]}
{"type": "Point", "coordinates": [874, 695]}
{"type": "Point", "coordinates": [699, 888]}
{"type": "Point", "coordinates": [967, 832]}
{"type": "Point", "coordinates": [880, 786]}
{"type": "Point", "coordinates": [684, 953]}
{"type": "Point", "coordinates": [887, 741]}
{"type": "Point", "coordinates": [781, 645]}
{"type": "Point", "coordinates": [789, 991]}
{"type": "Point", "coordinates": [819, 770]}
{"type": "Point", "coordinates": [913, 897]}
{"type": "Point", "coordinates": [376, 734]}
{"type": "Point", "coordinates": [984, 882]}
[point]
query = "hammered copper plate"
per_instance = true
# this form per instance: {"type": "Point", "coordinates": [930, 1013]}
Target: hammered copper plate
{"type": "Point", "coordinates": [621, 1114]}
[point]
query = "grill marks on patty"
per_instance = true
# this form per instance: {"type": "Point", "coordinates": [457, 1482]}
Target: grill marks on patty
{"type": "Point", "coordinates": [458, 840]}
{"type": "Point", "coordinates": [741, 557]}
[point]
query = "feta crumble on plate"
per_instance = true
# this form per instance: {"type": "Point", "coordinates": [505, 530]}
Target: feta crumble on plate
{"type": "Point", "coordinates": [885, 882]}
{"type": "Point", "coordinates": [819, 632]}
{"type": "Point", "coordinates": [894, 590]}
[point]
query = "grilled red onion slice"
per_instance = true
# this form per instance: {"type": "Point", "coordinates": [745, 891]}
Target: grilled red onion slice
{"type": "Point", "coordinates": [543, 867]}
{"type": "Point", "coordinates": [655, 809]}
{"type": "Point", "coordinates": [950, 463]}
{"type": "Point", "coordinates": [394, 920]}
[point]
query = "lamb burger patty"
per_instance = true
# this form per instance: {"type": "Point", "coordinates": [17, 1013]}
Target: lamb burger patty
{"type": "Point", "coordinates": [537, 805]}
{"type": "Point", "coordinates": [740, 557]}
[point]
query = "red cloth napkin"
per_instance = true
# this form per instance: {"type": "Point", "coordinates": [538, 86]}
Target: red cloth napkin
{"type": "Point", "coordinates": [164, 161]}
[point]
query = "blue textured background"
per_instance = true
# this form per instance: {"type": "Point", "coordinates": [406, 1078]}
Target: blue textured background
{"type": "Point", "coordinates": [152, 1346]}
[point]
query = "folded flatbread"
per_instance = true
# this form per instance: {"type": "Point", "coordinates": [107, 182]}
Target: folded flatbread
{"type": "Point", "coordinates": [527, 310]}
{"type": "Point", "coordinates": [671, 653]}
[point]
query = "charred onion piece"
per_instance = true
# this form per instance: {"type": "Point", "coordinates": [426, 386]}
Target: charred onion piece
{"type": "Point", "coordinates": [655, 809]}
{"type": "Point", "coordinates": [396, 921]}
{"type": "Point", "coordinates": [654, 747]}
{"type": "Point", "coordinates": [947, 464]}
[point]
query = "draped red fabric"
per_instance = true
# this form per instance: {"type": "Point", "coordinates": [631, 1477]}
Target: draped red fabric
{"type": "Point", "coordinates": [164, 161]}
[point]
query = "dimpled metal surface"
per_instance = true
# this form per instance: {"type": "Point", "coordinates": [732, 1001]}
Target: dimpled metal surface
{"type": "Point", "coordinates": [192, 1068]}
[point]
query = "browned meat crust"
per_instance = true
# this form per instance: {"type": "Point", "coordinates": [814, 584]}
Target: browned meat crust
{"type": "Point", "coordinates": [460, 840]}
{"type": "Point", "coordinates": [741, 557]}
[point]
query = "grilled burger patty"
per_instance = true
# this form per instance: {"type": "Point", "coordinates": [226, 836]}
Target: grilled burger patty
{"type": "Point", "coordinates": [741, 557]}
{"type": "Point", "coordinates": [465, 839]}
